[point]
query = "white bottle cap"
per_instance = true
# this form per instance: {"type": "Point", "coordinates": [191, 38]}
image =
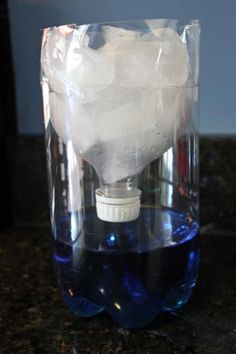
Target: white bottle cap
{"type": "Point", "coordinates": [117, 209]}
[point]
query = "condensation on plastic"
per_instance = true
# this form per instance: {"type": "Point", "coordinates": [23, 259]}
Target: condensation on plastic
{"type": "Point", "coordinates": [117, 96]}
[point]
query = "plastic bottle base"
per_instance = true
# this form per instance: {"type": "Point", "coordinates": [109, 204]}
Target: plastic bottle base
{"type": "Point", "coordinates": [82, 307]}
{"type": "Point", "coordinates": [133, 318]}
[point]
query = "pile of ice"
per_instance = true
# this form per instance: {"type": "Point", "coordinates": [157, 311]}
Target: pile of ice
{"type": "Point", "coordinates": [118, 104]}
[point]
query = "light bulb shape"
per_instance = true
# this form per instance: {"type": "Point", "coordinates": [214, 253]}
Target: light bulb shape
{"type": "Point", "coordinates": [119, 105]}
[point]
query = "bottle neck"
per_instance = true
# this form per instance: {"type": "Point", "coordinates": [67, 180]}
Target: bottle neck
{"type": "Point", "coordinates": [118, 202]}
{"type": "Point", "coordinates": [125, 188]}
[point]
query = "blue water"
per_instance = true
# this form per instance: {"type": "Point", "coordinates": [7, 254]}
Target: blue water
{"type": "Point", "coordinates": [134, 270]}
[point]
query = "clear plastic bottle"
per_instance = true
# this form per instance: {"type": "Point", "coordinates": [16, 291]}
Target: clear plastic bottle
{"type": "Point", "coordinates": [122, 150]}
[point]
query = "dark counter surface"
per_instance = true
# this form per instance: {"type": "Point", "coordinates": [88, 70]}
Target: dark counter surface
{"type": "Point", "coordinates": [34, 319]}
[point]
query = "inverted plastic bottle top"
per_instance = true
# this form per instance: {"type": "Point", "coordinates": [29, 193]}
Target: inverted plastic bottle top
{"type": "Point", "coordinates": [117, 209]}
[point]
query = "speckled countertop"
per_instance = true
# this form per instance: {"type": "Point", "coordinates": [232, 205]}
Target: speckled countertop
{"type": "Point", "coordinates": [33, 318]}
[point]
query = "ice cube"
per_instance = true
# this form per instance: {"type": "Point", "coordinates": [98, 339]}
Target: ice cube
{"type": "Point", "coordinates": [132, 60]}
{"type": "Point", "coordinates": [71, 66]}
{"type": "Point", "coordinates": [117, 34]}
{"type": "Point", "coordinates": [155, 59]}
{"type": "Point", "coordinates": [135, 133]}
{"type": "Point", "coordinates": [115, 112]}
{"type": "Point", "coordinates": [118, 112]}
{"type": "Point", "coordinates": [124, 111]}
{"type": "Point", "coordinates": [127, 156]}
{"type": "Point", "coordinates": [113, 37]}
{"type": "Point", "coordinates": [57, 43]}
{"type": "Point", "coordinates": [172, 60]}
{"type": "Point", "coordinates": [136, 123]}
{"type": "Point", "coordinates": [71, 121]}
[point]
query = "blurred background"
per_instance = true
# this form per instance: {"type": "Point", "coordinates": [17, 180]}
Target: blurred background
{"type": "Point", "coordinates": [21, 124]}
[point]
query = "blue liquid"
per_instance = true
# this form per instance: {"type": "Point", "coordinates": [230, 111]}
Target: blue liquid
{"type": "Point", "coordinates": [132, 270]}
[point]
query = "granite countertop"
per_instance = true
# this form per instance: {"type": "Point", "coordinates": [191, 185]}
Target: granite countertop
{"type": "Point", "coordinates": [34, 319]}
